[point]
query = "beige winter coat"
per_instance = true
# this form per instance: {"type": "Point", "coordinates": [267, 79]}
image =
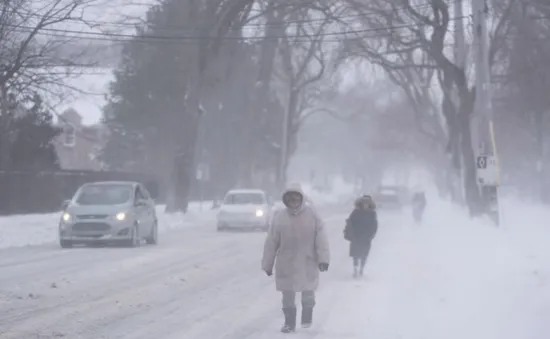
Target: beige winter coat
{"type": "Point", "coordinates": [296, 243]}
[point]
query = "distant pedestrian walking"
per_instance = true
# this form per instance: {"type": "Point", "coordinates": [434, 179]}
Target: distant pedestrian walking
{"type": "Point", "coordinates": [297, 246]}
{"type": "Point", "coordinates": [361, 228]}
{"type": "Point", "coordinates": [419, 205]}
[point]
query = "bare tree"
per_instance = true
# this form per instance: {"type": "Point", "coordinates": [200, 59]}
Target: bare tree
{"type": "Point", "coordinates": [523, 83]}
{"type": "Point", "coordinates": [33, 56]}
{"type": "Point", "coordinates": [412, 36]}
{"type": "Point", "coordinates": [281, 17]}
{"type": "Point", "coordinates": [303, 63]}
{"type": "Point", "coordinates": [414, 74]}
{"type": "Point", "coordinates": [213, 20]}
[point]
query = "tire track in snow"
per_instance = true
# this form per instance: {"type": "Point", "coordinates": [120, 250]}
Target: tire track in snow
{"type": "Point", "coordinates": [94, 290]}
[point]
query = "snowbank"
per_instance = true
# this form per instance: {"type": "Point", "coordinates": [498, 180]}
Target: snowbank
{"type": "Point", "coordinates": [524, 226]}
{"type": "Point", "coordinates": [35, 229]}
{"type": "Point", "coordinates": [495, 278]}
{"type": "Point", "coordinates": [449, 277]}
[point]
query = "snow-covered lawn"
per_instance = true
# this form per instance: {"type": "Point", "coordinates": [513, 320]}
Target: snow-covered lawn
{"type": "Point", "coordinates": [35, 229]}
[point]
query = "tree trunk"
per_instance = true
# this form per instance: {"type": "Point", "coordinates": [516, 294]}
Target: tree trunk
{"type": "Point", "coordinates": [539, 126]}
{"type": "Point", "coordinates": [290, 142]}
{"type": "Point", "coordinates": [455, 168]}
{"type": "Point", "coordinates": [260, 103]}
{"type": "Point", "coordinates": [471, 188]}
{"type": "Point", "coordinates": [5, 139]}
{"type": "Point", "coordinates": [184, 161]}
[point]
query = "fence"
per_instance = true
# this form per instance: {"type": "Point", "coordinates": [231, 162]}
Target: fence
{"type": "Point", "coordinates": [43, 192]}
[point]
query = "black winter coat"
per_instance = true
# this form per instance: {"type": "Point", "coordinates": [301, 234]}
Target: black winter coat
{"type": "Point", "coordinates": [361, 228]}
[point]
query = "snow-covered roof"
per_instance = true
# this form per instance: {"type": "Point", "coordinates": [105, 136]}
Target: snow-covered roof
{"type": "Point", "coordinates": [89, 97]}
{"type": "Point", "coordinates": [84, 91]}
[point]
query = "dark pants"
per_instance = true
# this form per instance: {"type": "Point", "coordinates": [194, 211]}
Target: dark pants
{"type": "Point", "coordinates": [360, 259]}
{"type": "Point", "coordinates": [289, 297]}
{"type": "Point", "coordinates": [359, 262]}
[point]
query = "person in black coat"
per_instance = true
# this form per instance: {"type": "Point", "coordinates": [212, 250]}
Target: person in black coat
{"type": "Point", "coordinates": [361, 228]}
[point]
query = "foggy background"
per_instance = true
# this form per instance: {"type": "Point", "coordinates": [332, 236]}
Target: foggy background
{"type": "Point", "coordinates": [198, 97]}
{"type": "Point", "coordinates": [192, 98]}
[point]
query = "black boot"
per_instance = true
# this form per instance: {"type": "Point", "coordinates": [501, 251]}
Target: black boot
{"type": "Point", "coordinates": [290, 320]}
{"type": "Point", "coordinates": [363, 264]}
{"type": "Point", "coordinates": [307, 316]}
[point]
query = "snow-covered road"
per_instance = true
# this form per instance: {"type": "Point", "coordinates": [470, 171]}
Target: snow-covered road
{"type": "Point", "coordinates": [445, 279]}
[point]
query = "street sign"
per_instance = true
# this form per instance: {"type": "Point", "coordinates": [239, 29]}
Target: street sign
{"type": "Point", "coordinates": [203, 172]}
{"type": "Point", "coordinates": [482, 162]}
{"type": "Point", "coordinates": [202, 175]}
{"type": "Point", "coordinates": [487, 170]}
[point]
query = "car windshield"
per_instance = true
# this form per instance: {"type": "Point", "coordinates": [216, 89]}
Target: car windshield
{"type": "Point", "coordinates": [244, 199]}
{"type": "Point", "coordinates": [115, 194]}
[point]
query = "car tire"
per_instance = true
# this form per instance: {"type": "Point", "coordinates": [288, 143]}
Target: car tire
{"type": "Point", "coordinates": [135, 240]}
{"type": "Point", "coordinates": [66, 243]}
{"type": "Point", "coordinates": [152, 239]}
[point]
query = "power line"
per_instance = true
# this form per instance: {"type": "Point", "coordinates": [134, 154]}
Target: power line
{"type": "Point", "coordinates": [281, 23]}
{"type": "Point", "coordinates": [120, 37]}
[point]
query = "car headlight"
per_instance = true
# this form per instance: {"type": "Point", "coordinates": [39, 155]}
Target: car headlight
{"type": "Point", "coordinates": [120, 216]}
{"type": "Point", "coordinates": [66, 217]}
{"type": "Point", "coordinates": [259, 213]}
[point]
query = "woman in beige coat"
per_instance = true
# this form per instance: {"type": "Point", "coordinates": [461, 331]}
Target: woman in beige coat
{"type": "Point", "coordinates": [297, 246]}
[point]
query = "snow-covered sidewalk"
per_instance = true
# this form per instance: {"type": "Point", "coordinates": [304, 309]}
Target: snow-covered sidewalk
{"type": "Point", "coordinates": [448, 278]}
{"type": "Point", "coordinates": [36, 229]}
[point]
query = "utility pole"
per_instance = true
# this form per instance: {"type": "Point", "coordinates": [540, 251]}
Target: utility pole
{"type": "Point", "coordinates": [460, 44]}
{"type": "Point", "coordinates": [284, 149]}
{"type": "Point", "coordinates": [460, 61]}
{"type": "Point", "coordinates": [5, 133]}
{"type": "Point", "coordinates": [482, 128]}
{"type": "Point", "coordinates": [483, 106]}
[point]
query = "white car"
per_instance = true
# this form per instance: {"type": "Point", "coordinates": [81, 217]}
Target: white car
{"type": "Point", "coordinates": [245, 209]}
{"type": "Point", "coordinates": [109, 212]}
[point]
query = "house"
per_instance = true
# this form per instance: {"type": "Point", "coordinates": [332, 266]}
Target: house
{"type": "Point", "coordinates": [78, 145]}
